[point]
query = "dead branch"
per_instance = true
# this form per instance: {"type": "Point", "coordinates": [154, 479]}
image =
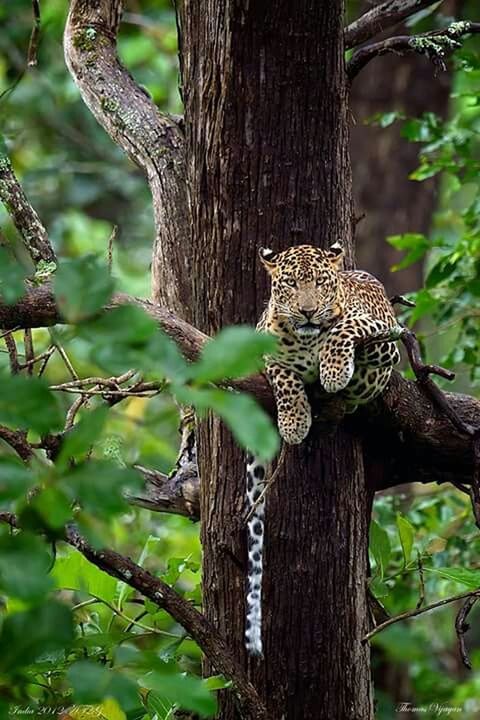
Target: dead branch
{"type": "Point", "coordinates": [209, 640]}
{"type": "Point", "coordinates": [153, 140]}
{"type": "Point", "coordinates": [436, 46]}
{"type": "Point", "coordinates": [11, 346]}
{"type": "Point", "coordinates": [419, 611]}
{"type": "Point", "coordinates": [35, 35]}
{"type": "Point", "coordinates": [462, 627]}
{"type": "Point", "coordinates": [379, 18]}
{"type": "Point", "coordinates": [177, 493]}
{"type": "Point", "coordinates": [24, 217]}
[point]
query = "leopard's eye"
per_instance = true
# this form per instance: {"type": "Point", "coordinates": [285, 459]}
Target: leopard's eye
{"type": "Point", "coordinates": [291, 282]}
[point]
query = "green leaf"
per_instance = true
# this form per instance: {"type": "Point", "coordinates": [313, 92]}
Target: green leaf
{"type": "Point", "coordinates": [425, 303]}
{"type": "Point", "coordinates": [28, 403]}
{"type": "Point", "coordinates": [80, 438]}
{"type": "Point", "coordinates": [27, 635]}
{"type": "Point", "coordinates": [15, 478]}
{"type": "Point", "coordinates": [379, 547]}
{"type": "Point", "coordinates": [235, 352]}
{"type": "Point", "coordinates": [406, 533]}
{"type": "Point", "coordinates": [379, 587]}
{"type": "Point", "coordinates": [442, 270]}
{"type": "Point", "coordinates": [186, 691]}
{"type": "Point", "coordinates": [12, 278]}
{"type": "Point", "coordinates": [99, 486]}
{"type": "Point", "coordinates": [416, 245]}
{"type": "Point", "coordinates": [249, 423]}
{"type": "Point", "coordinates": [217, 682]}
{"type": "Point", "coordinates": [82, 287]}
{"type": "Point", "coordinates": [53, 507]}
{"type": "Point", "coordinates": [127, 337]}
{"type": "Point", "coordinates": [92, 683]}
{"type": "Point", "coordinates": [463, 576]}
{"type": "Point", "coordinates": [24, 565]}
{"type": "Point", "coordinates": [74, 572]}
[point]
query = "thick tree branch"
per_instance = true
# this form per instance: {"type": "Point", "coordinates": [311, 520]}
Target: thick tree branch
{"type": "Point", "coordinates": [181, 610]}
{"type": "Point", "coordinates": [153, 140]}
{"type": "Point", "coordinates": [404, 429]}
{"type": "Point", "coordinates": [381, 17]}
{"type": "Point", "coordinates": [24, 217]}
{"type": "Point", "coordinates": [435, 45]}
{"type": "Point", "coordinates": [17, 439]}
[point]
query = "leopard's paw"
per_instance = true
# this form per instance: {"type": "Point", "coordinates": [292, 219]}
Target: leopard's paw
{"type": "Point", "coordinates": [294, 426]}
{"type": "Point", "coordinates": [335, 378]}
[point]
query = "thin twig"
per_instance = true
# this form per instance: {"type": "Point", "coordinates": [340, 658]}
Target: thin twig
{"type": "Point", "coordinates": [32, 58]}
{"type": "Point", "coordinates": [418, 611]}
{"type": "Point", "coordinates": [268, 483]}
{"type": "Point", "coordinates": [44, 364]}
{"type": "Point", "coordinates": [11, 346]}
{"type": "Point", "coordinates": [421, 597]}
{"type": "Point", "coordinates": [29, 352]}
{"type": "Point", "coordinates": [111, 240]}
{"type": "Point", "coordinates": [64, 356]}
{"type": "Point", "coordinates": [462, 627]}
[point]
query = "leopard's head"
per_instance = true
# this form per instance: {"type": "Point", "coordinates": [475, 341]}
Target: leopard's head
{"type": "Point", "coordinates": [305, 285]}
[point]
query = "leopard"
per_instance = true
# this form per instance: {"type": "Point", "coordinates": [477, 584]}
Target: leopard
{"type": "Point", "coordinates": [333, 327]}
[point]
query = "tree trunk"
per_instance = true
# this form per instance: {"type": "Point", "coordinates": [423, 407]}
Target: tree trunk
{"type": "Point", "coordinates": [382, 159]}
{"type": "Point", "coordinates": [266, 124]}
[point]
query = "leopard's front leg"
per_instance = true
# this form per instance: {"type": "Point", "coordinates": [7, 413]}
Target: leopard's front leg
{"type": "Point", "coordinates": [293, 408]}
{"type": "Point", "coordinates": [337, 352]}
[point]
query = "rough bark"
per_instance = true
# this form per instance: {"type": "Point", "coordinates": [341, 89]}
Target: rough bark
{"type": "Point", "coordinates": [267, 138]}
{"type": "Point", "coordinates": [153, 140]}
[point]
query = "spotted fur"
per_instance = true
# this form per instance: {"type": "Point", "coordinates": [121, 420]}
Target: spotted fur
{"type": "Point", "coordinates": [255, 482]}
{"type": "Point", "coordinates": [333, 326]}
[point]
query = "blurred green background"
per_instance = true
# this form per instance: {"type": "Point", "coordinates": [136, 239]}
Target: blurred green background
{"type": "Point", "coordinates": [82, 186]}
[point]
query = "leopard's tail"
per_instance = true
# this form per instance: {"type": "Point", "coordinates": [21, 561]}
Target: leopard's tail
{"type": "Point", "coordinates": [255, 484]}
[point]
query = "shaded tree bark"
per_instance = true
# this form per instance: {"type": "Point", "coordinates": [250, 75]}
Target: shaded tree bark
{"type": "Point", "coordinates": [382, 159]}
{"type": "Point", "coordinates": [265, 113]}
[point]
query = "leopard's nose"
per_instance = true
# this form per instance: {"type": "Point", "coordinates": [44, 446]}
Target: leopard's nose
{"type": "Point", "coordinates": [308, 312]}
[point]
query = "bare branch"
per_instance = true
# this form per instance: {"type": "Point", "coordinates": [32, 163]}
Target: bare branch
{"type": "Point", "coordinates": [24, 217]}
{"type": "Point", "coordinates": [207, 637]}
{"type": "Point", "coordinates": [461, 627]}
{"type": "Point", "coordinates": [381, 17]}
{"type": "Point", "coordinates": [35, 36]}
{"type": "Point", "coordinates": [436, 46]}
{"type": "Point", "coordinates": [419, 611]}
{"type": "Point", "coordinates": [17, 439]}
{"type": "Point", "coordinates": [177, 493]}
{"type": "Point", "coordinates": [153, 140]}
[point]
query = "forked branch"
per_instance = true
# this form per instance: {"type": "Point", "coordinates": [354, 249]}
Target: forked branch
{"type": "Point", "coordinates": [379, 18]}
{"type": "Point", "coordinates": [152, 139]}
{"type": "Point", "coordinates": [436, 46]}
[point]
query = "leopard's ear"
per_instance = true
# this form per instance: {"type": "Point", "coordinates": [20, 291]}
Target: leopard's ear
{"type": "Point", "coordinates": [268, 258]}
{"type": "Point", "coordinates": [335, 254]}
